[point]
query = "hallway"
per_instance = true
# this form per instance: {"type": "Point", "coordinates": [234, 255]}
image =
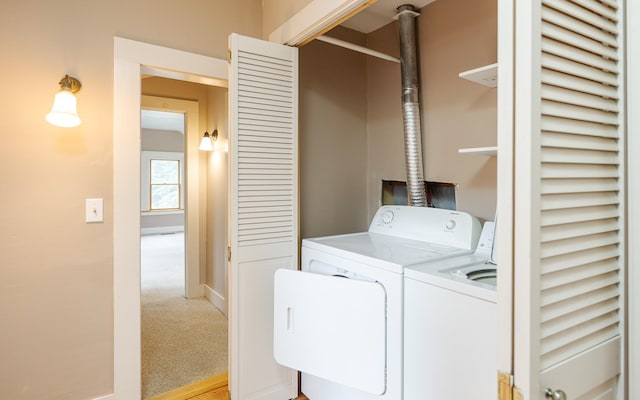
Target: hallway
{"type": "Point", "coordinates": [183, 340]}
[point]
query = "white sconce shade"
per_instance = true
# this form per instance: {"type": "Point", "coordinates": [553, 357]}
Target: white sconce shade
{"type": "Point", "coordinates": [63, 112]}
{"type": "Point", "coordinates": [206, 144]}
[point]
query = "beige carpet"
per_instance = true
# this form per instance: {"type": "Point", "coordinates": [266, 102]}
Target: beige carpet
{"type": "Point", "coordinates": [183, 341]}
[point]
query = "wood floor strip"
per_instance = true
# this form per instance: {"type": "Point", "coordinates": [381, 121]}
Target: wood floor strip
{"type": "Point", "coordinates": [214, 388]}
{"type": "Point", "coordinates": [223, 394]}
{"type": "Point", "coordinates": [215, 394]}
{"type": "Point", "coordinates": [195, 389]}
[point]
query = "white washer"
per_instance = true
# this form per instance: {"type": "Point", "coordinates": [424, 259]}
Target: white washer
{"type": "Point", "coordinates": [450, 327]}
{"type": "Point", "coordinates": [345, 335]}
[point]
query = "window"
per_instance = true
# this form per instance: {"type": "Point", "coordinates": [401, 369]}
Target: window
{"type": "Point", "coordinates": [162, 181]}
{"type": "Point", "coordinates": [165, 184]}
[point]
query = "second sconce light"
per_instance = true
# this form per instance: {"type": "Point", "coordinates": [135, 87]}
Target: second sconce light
{"type": "Point", "coordinates": [206, 144]}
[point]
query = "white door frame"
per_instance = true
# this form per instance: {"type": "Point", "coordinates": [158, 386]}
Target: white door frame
{"type": "Point", "coordinates": [505, 227]}
{"type": "Point", "coordinates": [130, 59]}
{"type": "Point", "coordinates": [633, 208]}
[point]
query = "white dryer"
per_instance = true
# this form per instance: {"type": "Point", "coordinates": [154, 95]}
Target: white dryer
{"type": "Point", "coordinates": [340, 319]}
{"type": "Point", "coordinates": [450, 348]}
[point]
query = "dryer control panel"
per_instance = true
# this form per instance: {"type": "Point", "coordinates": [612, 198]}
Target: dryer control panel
{"type": "Point", "coordinates": [434, 225]}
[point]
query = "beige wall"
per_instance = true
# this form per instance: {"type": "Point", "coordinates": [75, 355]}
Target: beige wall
{"type": "Point", "coordinates": [217, 192]}
{"type": "Point", "coordinates": [454, 36]}
{"type": "Point", "coordinates": [340, 158]}
{"type": "Point", "coordinates": [56, 271]}
{"type": "Point", "coordinates": [333, 137]}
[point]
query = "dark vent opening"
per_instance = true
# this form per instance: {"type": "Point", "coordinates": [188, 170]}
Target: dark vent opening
{"type": "Point", "coordinates": [439, 194]}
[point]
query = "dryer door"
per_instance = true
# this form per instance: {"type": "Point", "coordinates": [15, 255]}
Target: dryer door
{"type": "Point", "coordinates": [331, 327]}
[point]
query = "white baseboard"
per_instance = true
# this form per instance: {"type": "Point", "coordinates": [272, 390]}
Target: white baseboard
{"type": "Point", "coordinates": [107, 397]}
{"type": "Point", "coordinates": [216, 299]}
{"type": "Point", "coordinates": [161, 229]}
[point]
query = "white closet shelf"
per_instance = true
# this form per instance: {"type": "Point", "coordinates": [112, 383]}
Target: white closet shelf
{"type": "Point", "coordinates": [486, 75]}
{"type": "Point", "coordinates": [482, 151]}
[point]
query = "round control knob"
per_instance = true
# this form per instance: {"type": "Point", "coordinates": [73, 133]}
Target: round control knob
{"type": "Point", "coordinates": [451, 225]}
{"type": "Point", "coordinates": [387, 217]}
{"type": "Point", "coordinates": [555, 394]}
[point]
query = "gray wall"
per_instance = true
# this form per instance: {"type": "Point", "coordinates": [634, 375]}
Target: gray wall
{"type": "Point", "coordinates": [161, 140]}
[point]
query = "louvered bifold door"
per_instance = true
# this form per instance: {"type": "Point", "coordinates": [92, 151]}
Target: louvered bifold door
{"type": "Point", "coordinates": [569, 236]}
{"type": "Point", "coordinates": [263, 93]}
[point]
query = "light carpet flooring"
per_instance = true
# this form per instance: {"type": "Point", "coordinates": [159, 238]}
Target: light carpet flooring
{"type": "Point", "coordinates": [183, 340]}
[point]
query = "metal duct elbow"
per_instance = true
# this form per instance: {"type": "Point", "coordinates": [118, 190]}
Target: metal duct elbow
{"type": "Point", "coordinates": [416, 191]}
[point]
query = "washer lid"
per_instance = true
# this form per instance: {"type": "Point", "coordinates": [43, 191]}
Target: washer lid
{"type": "Point", "coordinates": [381, 250]}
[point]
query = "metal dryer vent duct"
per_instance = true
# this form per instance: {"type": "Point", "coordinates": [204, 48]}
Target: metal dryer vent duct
{"type": "Point", "coordinates": [416, 191]}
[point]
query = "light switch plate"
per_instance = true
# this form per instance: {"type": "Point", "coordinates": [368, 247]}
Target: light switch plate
{"type": "Point", "coordinates": [94, 210]}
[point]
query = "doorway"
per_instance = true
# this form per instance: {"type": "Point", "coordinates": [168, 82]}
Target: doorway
{"type": "Point", "coordinates": [184, 335]}
{"type": "Point", "coordinates": [131, 61]}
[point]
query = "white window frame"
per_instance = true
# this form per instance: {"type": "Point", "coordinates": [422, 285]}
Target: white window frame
{"type": "Point", "coordinates": [145, 181]}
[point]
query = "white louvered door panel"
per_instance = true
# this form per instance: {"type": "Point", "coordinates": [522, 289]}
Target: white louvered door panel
{"type": "Point", "coordinates": [569, 218]}
{"type": "Point", "coordinates": [263, 93]}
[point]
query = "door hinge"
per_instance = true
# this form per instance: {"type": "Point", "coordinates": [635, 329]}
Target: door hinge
{"type": "Point", "coordinates": [229, 56]}
{"type": "Point", "coordinates": [229, 253]}
{"type": "Point", "coordinates": [506, 389]}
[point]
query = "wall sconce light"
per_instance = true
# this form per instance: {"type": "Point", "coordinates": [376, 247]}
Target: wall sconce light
{"type": "Point", "coordinates": [63, 112]}
{"type": "Point", "coordinates": [206, 144]}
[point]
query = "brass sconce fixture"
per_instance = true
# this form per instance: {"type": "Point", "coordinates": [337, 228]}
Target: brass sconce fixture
{"type": "Point", "coordinates": [63, 112]}
{"type": "Point", "coordinates": [206, 144]}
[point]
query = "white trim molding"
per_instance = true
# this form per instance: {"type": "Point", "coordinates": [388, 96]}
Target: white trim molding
{"type": "Point", "coordinates": [316, 18]}
{"type": "Point", "coordinates": [216, 299]}
{"type": "Point", "coordinates": [130, 57]}
{"type": "Point", "coordinates": [107, 397]}
{"type": "Point", "coordinates": [160, 230]}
